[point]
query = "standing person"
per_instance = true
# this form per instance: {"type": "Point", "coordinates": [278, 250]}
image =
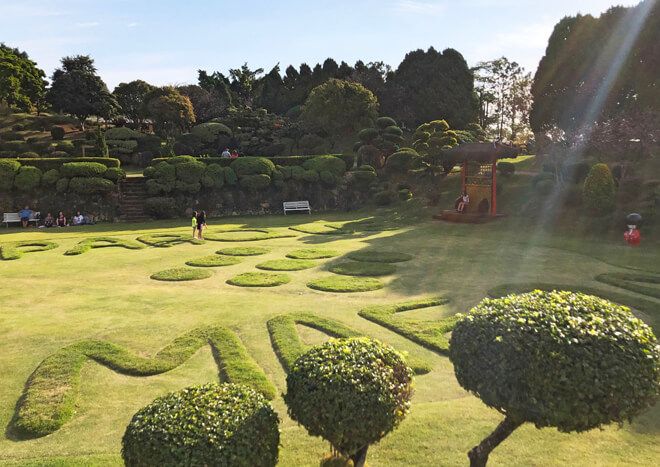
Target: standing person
{"type": "Point", "coordinates": [234, 154]}
{"type": "Point", "coordinates": [226, 153]}
{"type": "Point", "coordinates": [201, 223]}
{"type": "Point", "coordinates": [194, 223]}
{"type": "Point", "coordinates": [25, 215]}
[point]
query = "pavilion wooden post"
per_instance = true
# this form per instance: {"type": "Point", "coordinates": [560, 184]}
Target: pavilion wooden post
{"type": "Point", "coordinates": [494, 196]}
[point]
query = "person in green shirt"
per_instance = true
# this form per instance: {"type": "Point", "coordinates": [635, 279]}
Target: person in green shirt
{"type": "Point", "coordinates": [194, 223]}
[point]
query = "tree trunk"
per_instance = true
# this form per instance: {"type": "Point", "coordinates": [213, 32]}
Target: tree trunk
{"type": "Point", "coordinates": [360, 457]}
{"type": "Point", "coordinates": [479, 454]}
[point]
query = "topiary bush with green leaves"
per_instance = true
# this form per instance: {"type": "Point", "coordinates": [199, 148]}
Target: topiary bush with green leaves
{"type": "Point", "coordinates": [213, 261]}
{"type": "Point", "coordinates": [88, 185]}
{"type": "Point", "coordinates": [15, 250]}
{"type": "Point", "coordinates": [345, 284]}
{"type": "Point", "coordinates": [181, 274]}
{"type": "Point", "coordinates": [50, 177]}
{"type": "Point", "coordinates": [351, 392]}
{"type": "Point", "coordinates": [27, 178]}
{"type": "Point", "coordinates": [256, 182]}
{"type": "Point", "coordinates": [57, 132]}
{"type": "Point", "coordinates": [204, 425]}
{"type": "Point", "coordinates": [259, 279]}
{"type": "Point", "coordinates": [332, 164]}
{"type": "Point", "coordinates": [8, 170]}
{"type": "Point", "coordinates": [555, 359]}
{"type": "Point", "coordinates": [82, 169]}
{"type": "Point", "coordinates": [598, 191]}
{"type": "Point", "coordinates": [243, 251]}
{"type": "Point", "coordinates": [252, 166]}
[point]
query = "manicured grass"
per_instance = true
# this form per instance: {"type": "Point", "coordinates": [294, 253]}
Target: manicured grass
{"type": "Point", "coordinates": [286, 264]}
{"type": "Point", "coordinates": [49, 399]}
{"type": "Point", "coordinates": [15, 250]}
{"type": "Point", "coordinates": [213, 261]}
{"type": "Point", "coordinates": [244, 251]}
{"type": "Point", "coordinates": [166, 240]}
{"type": "Point", "coordinates": [288, 346]}
{"type": "Point", "coordinates": [632, 281]}
{"type": "Point", "coordinates": [259, 279]}
{"type": "Point", "coordinates": [50, 301]}
{"type": "Point", "coordinates": [430, 334]}
{"type": "Point", "coordinates": [312, 253]}
{"type": "Point", "coordinates": [102, 242]}
{"type": "Point", "coordinates": [345, 284]}
{"type": "Point", "coordinates": [380, 256]}
{"type": "Point", "coordinates": [318, 229]}
{"type": "Point", "coordinates": [243, 235]}
{"type": "Point", "coordinates": [359, 268]}
{"type": "Point", "coordinates": [181, 274]}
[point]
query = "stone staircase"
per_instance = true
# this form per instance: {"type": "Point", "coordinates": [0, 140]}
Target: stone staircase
{"type": "Point", "coordinates": [132, 195]}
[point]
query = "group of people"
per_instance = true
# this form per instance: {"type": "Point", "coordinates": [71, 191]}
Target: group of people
{"type": "Point", "coordinates": [61, 221]}
{"type": "Point", "coordinates": [227, 154]}
{"type": "Point", "coordinates": [198, 224]}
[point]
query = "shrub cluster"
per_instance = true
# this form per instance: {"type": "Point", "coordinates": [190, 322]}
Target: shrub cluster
{"type": "Point", "coordinates": [598, 191]}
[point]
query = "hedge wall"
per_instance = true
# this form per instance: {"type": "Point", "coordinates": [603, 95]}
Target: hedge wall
{"type": "Point", "coordinates": [349, 160]}
{"type": "Point", "coordinates": [46, 164]}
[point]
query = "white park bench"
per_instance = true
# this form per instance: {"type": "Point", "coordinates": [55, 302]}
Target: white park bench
{"type": "Point", "coordinates": [297, 206]}
{"type": "Point", "coordinates": [8, 217]}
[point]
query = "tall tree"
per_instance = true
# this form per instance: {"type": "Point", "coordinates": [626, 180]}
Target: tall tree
{"type": "Point", "coordinates": [597, 68]}
{"type": "Point", "coordinates": [78, 90]}
{"type": "Point", "coordinates": [503, 88]}
{"type": "Point", "coordinates": [206, 104]}
{"type": "Point", "coordinates": [132, 99]}
{"type": "Point", "coordinates": [431, 85]}
{"type": "Point", "coordinates": [339, 107]}
{"type": "Point", "coordinates": [216, 82]}
{"type": "Point", "coordinates": [244, 82]}
{"type": "Point", "coordinates": [21, 82]}
{"type": "Point", "coordinates": [172, 112]}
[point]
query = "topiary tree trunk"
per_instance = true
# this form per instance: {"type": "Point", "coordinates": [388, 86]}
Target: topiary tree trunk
{"type": "Point", "coordinates": [360, 457]}
{"type": "Point", "coordinates": [479, 454]}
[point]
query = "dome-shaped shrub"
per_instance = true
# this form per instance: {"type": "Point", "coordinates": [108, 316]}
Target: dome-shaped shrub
{"type": "Point", "coordinates": [86, 185]}
{"type": "Point", "coordinates": [399, 162]}
{"type": "Point", "coordinates": [115, 174]}
{"type": "Point", "coordinates": [351, 392]}
{"type": "Point", "coordinates": [209, 133]}
{"type": "Point", "coordinates": [555, 359]}
{"type": "Point", "coordinates": [252, 166]}
{"type": "Point", "coordinates": [50, 177]}
{"type": "Point", "coordinates": [27, 178]}
{"type": "Point", "coordinates": [330, 163]}
{"type": "Point", "coordinates": [598, 192]}
{"type": "Point", "coordinates": [122, 133]}
{"type": "Point", "coordinates": [256, 182]}
{"type": "Point", "coordinates": [190, 172]}
{"type": "Point", "coordinates": [8, 170]}
{"type": "Point", "coordinates": [82, 169]}
{"type": "Point", "coordinates": [227, 425]}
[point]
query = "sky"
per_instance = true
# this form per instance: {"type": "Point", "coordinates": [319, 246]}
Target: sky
{"type": "Point", "coordinates": [165, 42]}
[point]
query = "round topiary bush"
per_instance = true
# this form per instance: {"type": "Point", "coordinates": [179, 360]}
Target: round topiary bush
{"type": "Point", "coordinates": [87, 185]}
{"type": "Point", "coordinates": [211, 424]}
{"type": "Point", "coordinates": [598, 191]}
{"type": "Point", "coordinates": [332, 164]}
{"type": "Point", "coordinates": [359, 268]}
{"type": "Point", "coordinates": [8, 170]}
{"type": "Point", "coordinates": [257, 182]}
{"type": "Point", "coordinates": [252, 166]}
{"type": "Point", "coordinates": [57, 132]}
{"type": "Point", "coordinates": [400, 161]}
{"type": "Point", "coordinates": [82, 169]}
{"type": "Point", "coordinates": [50, 177]}
{"type": "Point", "coordinates": [27, 178]}
{"type": "Point", "coordinates": [351, 392]}
{"type": "Point", "coordinates": [115, 174]}
{"type": "Point", "coordinates": [189, 172]}
{"type": "Point", "coordinates": [556, 359]}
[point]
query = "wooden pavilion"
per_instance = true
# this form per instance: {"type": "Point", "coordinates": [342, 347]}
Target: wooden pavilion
{"type": "Point", "coordinates": [479, 171]}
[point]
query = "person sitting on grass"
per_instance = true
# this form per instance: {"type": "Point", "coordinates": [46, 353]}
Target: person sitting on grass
{"type": "Point", "coordinates": [464, 201]}
{"type": "Point", "coordinates": [49, 221]}
{"type": "Point", "coordinates": [61, 220]}
{"type": "Point", "coordinates": [25, 215]}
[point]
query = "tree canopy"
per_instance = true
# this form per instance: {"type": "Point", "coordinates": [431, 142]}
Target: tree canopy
{"type": "Point", "coordinates": [77, 90]}
{"type": "Point", "coordinates": [131, 97]}
{"type": "Point", "coordinates": [597, 68]}
{"type": "Point", "coordinates": [21, 82]}
{"type": "Point", "coordinates": [170, 111]}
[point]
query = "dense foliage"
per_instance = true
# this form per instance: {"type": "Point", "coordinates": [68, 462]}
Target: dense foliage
{"type": "Point", "coordinates": [21, 82]}
{"type": "Point", "coordinates": [557, 359]}
{"type": "Point", "coordinates": [351, 392]}
{"type": "Point", "coordinates": [204, 425]}
{"type": "Point", "coordinates": [598, 191]}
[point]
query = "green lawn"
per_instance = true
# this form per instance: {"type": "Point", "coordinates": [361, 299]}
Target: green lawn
{"type": "Point", "coordinates": [49, 301]}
